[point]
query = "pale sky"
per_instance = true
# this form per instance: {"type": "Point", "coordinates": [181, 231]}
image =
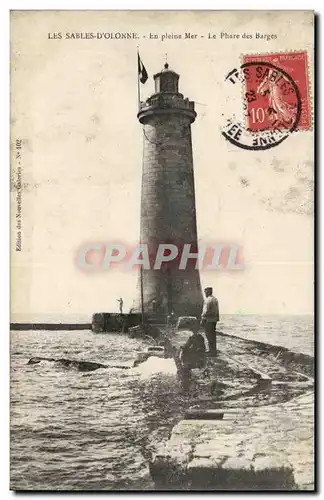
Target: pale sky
{"type": "Point", "coordinates": [74, 104]}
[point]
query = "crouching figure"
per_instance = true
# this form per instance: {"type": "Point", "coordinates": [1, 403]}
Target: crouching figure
{"type": "Point", "coordinates": [192, 355]}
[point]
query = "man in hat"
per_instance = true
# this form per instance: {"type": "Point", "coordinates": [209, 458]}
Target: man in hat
{"type": "Point", "coordinates": [210, 317]}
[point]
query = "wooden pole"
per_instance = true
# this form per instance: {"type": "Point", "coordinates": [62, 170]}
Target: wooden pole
{"type": "Point", "coordinates": [138, 83]}
{"type": "Point", "coordinates": [139, 103]}
{"type": "Point", "coordinates": [142, 294]}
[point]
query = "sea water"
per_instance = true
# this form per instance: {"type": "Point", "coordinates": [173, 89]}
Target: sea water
{"type": "Point", "coordinates": [96, 430]}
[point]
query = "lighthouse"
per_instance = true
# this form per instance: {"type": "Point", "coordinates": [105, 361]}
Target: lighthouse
{"type": "Point", "coordinates": [168, 207]}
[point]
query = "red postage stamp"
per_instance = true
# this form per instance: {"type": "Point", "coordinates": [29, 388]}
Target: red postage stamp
{"type": "Point", "coordinates": [277, 93]}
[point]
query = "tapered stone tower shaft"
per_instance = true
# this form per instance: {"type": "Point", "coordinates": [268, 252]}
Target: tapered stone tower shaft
{"type": "Point", "coordinates": [168, 210]}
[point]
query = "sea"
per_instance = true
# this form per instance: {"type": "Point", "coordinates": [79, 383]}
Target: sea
{"type": "Point", "coordinates": [73, 430]}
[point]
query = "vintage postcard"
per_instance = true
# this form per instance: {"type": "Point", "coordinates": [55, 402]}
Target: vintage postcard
{"type": "Point", "coordinates": [162, 248]}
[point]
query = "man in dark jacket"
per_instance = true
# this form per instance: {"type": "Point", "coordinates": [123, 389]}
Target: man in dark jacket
{"type": "Point", "coordinates": [192, 355]}
{"type": "Point", "coordinates": [193, 352]}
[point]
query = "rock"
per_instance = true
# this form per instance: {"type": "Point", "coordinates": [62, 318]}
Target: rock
{"type": "Point", "coordinates": [202, 464]}
{"type": "Point", "coordinates": [169, 465]}
{"type": "Point", "coordinates": [114, 322]}
{"type": "Point", "coordinates": [186, 322]}
{"type": "Point", "coordinates": [238, 463]}
{"type": "Point", "coordinates": [156, 351]}
{"type": "Point", "coordinates": [262, 463]}
{"type": "Point", "coordinates": [146, 330]}
{"type": "Point", "coordinates": [82, 366]}
{"type": "Point", "coordinates": [210, 455]}
{"type": "Point", "coordinates": [36, 360]}
{"type": "Point", "coordinates": [156, 348]}
{"type": "Point", "coordinates": [271, 472]}
{"type": "Point", "coordinates": [218, 451]}
{"type": "Point", "coordinates": [204, 415]}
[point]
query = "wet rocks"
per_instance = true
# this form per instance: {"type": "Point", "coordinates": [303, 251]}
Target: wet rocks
{"type": "Point", "coordinates": [186, 322]}
{"type": "Point", "coordinates": [81, 366]}
{"type": "Point", "coordinates": [145, 331]}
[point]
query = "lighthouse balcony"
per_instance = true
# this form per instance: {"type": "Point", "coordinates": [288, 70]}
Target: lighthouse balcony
{"type": "Point", "coordinates": [167, 101]}
{"type": "Point", "coordinates": [164, 102]}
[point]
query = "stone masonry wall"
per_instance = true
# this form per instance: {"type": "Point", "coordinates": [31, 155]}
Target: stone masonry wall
{"type": "Point", "coordinates": [168, 212]}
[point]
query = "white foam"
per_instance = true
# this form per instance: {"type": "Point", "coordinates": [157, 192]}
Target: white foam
{"type": "Point", "coordinates": [155, 365]}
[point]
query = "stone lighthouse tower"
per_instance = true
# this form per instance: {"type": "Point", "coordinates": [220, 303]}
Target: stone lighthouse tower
{"type": "Point", "coordinates": [168, 209]}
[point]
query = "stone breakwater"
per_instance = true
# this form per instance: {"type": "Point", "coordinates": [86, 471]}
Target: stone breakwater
{"type": "Point", "coordinates": [265, 439]}
{"type": "Point", "coordinates": [265, 448]}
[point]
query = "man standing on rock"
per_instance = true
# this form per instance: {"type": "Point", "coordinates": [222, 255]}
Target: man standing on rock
{"type": "Point", "coordinates": [210, 317]}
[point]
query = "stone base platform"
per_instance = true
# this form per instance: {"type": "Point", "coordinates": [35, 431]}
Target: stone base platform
{"type": "Point", "coordinates": [114, 322]}
{"type": "Point", "coordinates": [206, 454]}
{"type": "Point", "coordinates": [269, 447]}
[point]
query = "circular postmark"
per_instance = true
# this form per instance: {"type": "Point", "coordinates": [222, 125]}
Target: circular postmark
{"type": "Point", "coordinates": [267, 107]}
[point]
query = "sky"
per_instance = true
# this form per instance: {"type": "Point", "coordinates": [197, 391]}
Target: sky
{"type": "Point", "coordinates": [74, 105]}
